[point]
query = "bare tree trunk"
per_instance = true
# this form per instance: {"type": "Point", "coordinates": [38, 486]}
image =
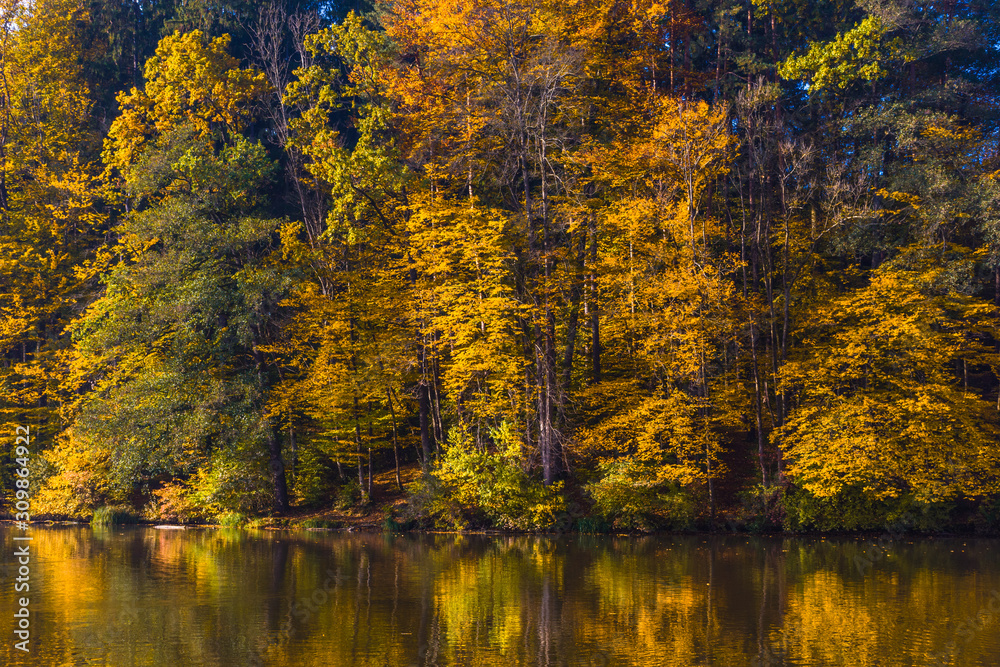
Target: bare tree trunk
{"type": "Point", "coordinates": [277, 472]}
{"type": "Point", "coordinates": [996, 285]}
{"type": "Point", "coordinates": [551, 392]}
{"type": "Point", "coordinates": [758, 405]}
{"type": "Point", "coordinates": [543, 407]}
{"type": "Point", "coordinates": [595, 316]}
{"type": "Point", "coordinates": [275, 463]}
{"type": "Point", "coordinates": [576, 296]}
{"type": "Point", "coordinates": [6, 102]}
{"type": "Point", "coordinates": [395, 438]}
{"type": "Point", "coordinates": [293, 448]}
{"type": "Point", "coordinates": [424, 406]}
{"type": "Point", "coordinates": [435, 394]}
{"type": "Point", "coordinates": [357, 443]}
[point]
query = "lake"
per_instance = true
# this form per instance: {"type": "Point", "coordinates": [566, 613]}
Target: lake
{"type": "Point", "coordinates": [142, 596]}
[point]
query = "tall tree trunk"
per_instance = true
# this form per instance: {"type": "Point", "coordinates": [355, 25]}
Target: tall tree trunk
{"type": "Point", "coordinates": [996, 285]}
{"type": "Point", "coordinates": [275, 463]}
{"type": "Point", "coordinates": [293, 448]}
{"type": "Point", "coordinates": [552, 395]}
{"type": "Point", "coordinates": [423, 401]}
{"type": "Point", "coordinates": [575, 297]}
{"type": "Point", "coordinates": [595, 316]}
{"type": "Point", "coordinates": [435, 394]}
{"type": "Point", "coordinates": [277, 472]}
{"type": "Point", "coordinates": [357, 444]}
{"type": "Point", "coordinates": [758, 404]}
{"type": "Point", "coordinates": [395, 437]}
{"type": "Point", "coordinates": [543, 406]}
{"type": "Point", "coordinates": [371, 439]}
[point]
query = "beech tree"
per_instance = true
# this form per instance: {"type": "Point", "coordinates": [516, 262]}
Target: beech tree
{"type": "Point", "coordinates": [878, 405]}
{"type": "Point", "coordinates": [51, 213]}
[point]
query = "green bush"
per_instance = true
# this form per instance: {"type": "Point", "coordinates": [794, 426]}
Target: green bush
{"type": "Point", "coordinates": [314, 477]}
{"type": "Point", "coordinates": [471, 487]}
{"type": "Point", "coordinates": [317, 523]}
{"type": "Point", "coordinates": [592, 524]}
{"type": "Point", "coordinates": [237, 520]}
{"type": "Point", "coordinates": [762, 508]}
{"type": "Point", "coordinates": [233, 484]}
{"type": "Point", "coordinates": [231, 520]}
{"type": "Point", "coordinates": [631, 496]}
{"type": "Point", "coordinates": [430, 504]}
{"type": "Point", "coordinates": [390, 524]}
{"type": "Point", "coordinates": [987, 518]}
{"type": "Point", "coordinates": [349, 494]}
{"type": "Point", "coordinates": [113, 516]}
{"type": "Point", "coordinates": [854, 509]}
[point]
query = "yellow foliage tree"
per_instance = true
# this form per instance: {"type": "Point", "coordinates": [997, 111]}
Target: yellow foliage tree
{"type": "Point", "coordinates": [190, 80]}
{"type": "Point", "coordinates": [50, 203]}
{"type": "Point", "coordinates": [667, 302]}
{"type": "Point", "coordinates": [880, 403]}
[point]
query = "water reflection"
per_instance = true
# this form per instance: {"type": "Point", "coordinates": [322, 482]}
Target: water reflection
{"type": "Point", "coordinates": [141, 596]}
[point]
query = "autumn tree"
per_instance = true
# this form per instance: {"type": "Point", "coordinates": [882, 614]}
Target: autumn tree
{"type": "Point", "coordinates": [172, 354]}
{"type": "Point", "coordinates": [879, 406]}
{"type": "Point", "coordinates": [670, 312]}
{"type": "Point", "coordinates": [355, 349]}
{"type": "Point", "coordinates": [51, 212]}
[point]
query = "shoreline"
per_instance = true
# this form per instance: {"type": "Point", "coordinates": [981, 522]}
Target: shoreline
{"type": "Point", "coordinates": [374, 528]}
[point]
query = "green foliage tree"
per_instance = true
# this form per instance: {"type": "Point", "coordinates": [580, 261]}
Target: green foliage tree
{"type": "Point", "coordinates": [173, 350]}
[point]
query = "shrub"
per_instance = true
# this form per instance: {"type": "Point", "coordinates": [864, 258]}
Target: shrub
{"type": "Point", "coordinates": [349, 494]}
{"type": "Point", "coordinates": [231, 519]}
{"type": "Point", "coordinates": [429, 504]}
{"type": "Point", "coordinates": [389, 523]}
{"type": "Point", "coordinates": [317, 523]}
{"type": "Point", "coordinates": [173, 502]}
{"type": "Point", "coordinates": [987, 518]}
{"type": "Point", "coordinates": [592, 524]}
{"type": "Point", "coordinates": [230, 483]}
{"type": "Point", "coordinates": [314, 477]}
{"type": "Point", "coordinates": [630, 495]}
{"type": "Point", "coordinates": [473, 486]}
{"type": "Point", "coordinates": [113, 516]}
{"type": "Point", "coordinates": [762, 508]}
{"type": "Point", "coordinates": [855, 509]}
{"type": "Point", "coordinates": [72, 481]}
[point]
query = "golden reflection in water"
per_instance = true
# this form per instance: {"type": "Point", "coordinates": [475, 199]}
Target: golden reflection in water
{"type": "Point", "coordinates": [140, 596]}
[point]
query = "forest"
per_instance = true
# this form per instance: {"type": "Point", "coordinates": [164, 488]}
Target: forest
{"type": "Point", "coordinates": [574, 264]}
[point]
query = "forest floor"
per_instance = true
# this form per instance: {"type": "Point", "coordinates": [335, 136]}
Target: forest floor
{"type": "Point", "coordinates": [386, 499]}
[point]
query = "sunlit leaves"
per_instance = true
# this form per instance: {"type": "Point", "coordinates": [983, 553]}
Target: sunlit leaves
{"type": "Point", "coordinates": [856, 55]}
{"type": "Point", "coordinates": [879, 404]}
{"type": "Point", "coordinates": [190, 80]}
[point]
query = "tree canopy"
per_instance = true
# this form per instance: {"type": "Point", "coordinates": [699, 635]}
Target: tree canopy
{"type": "Point", "coordinates": [636, 262]}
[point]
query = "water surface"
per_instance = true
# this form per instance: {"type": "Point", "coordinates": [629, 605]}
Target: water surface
{"type": "Point", "coordinates": [141, 596]}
